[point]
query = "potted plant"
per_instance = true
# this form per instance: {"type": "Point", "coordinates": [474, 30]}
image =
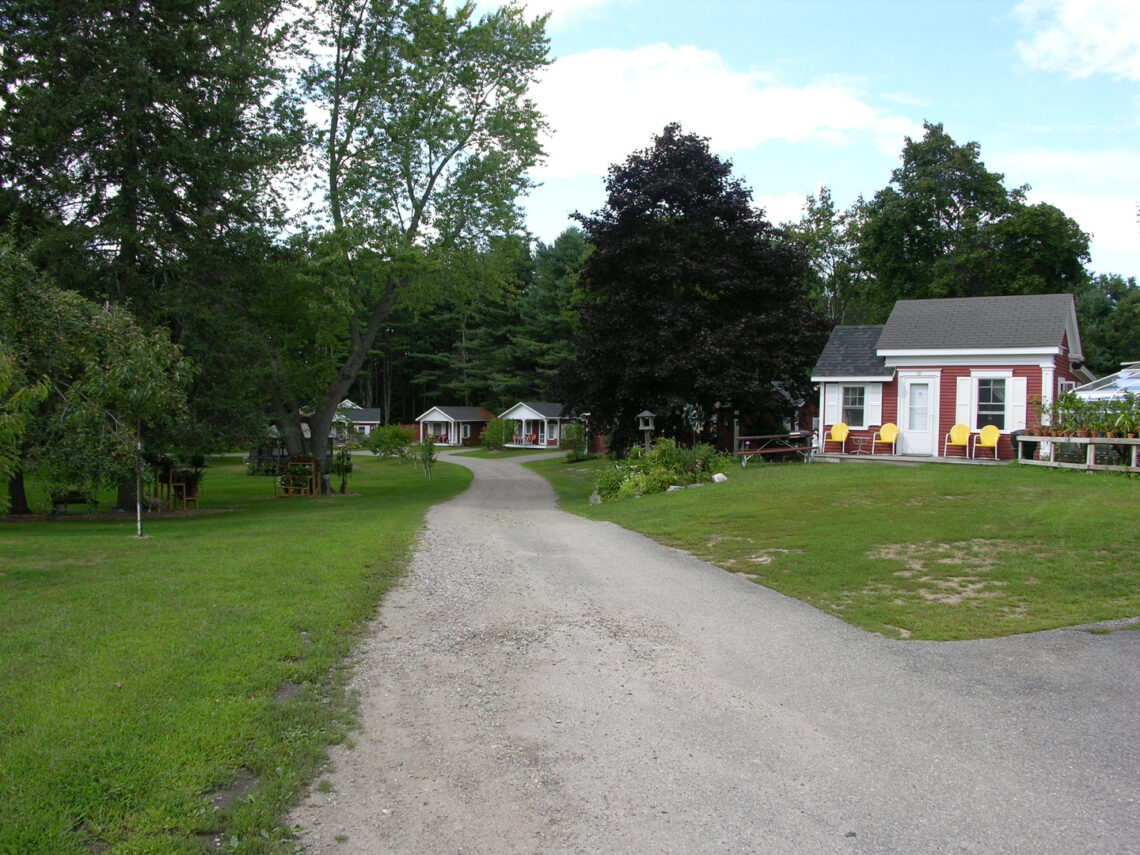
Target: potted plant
{"type": "Point", "coordinates": [1127, 415]}
{"type": "Point", "coordinates": [1057, 414]}
{"type": "Point", "coordinates": [1072, 415]}
{"type": "Point", "coordinates": [191, 479]}
{"type": "Point", "coordinates": [190, 475]}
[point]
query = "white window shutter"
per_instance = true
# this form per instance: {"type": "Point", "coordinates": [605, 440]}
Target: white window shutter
{"type": "Point", "coordinates": [831, 403]}
{"type": "Point", "coordinates": [963, 402]}
{"type": "Point", "coordinates": [873, 401]}
{"type": "Point", "coordinates": [1017, 404]}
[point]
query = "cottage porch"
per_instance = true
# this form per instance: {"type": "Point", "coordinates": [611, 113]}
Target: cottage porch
{"type": "Point", "coordinates": [904, 459]}
{"type": "Point", "coordinates": [533, 433]}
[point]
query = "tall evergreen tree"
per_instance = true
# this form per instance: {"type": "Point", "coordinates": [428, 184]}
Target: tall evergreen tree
{"type": "Point", "coordinates": [543, 339]}
{"type": "Point", "coordinates": [137, 131]}
{"type": "Point", "coordinates": [139, 140]}
{"type": "Point", "coordinates": [689, 297]}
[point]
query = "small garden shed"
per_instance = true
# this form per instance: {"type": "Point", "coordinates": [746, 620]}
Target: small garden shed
{"type": "Point", "coordinates": [455, 426]}
{"type": "Point", "coordinates": [974, 361]}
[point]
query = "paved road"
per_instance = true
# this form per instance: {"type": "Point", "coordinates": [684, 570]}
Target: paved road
{"type": "Point", "coordinates": [547, 684]}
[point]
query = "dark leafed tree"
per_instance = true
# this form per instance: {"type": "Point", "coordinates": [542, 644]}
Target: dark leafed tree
{"type": "Point", "coordinates": [948, 227]}
{"type": "Point", "coordinates": [689, 297]}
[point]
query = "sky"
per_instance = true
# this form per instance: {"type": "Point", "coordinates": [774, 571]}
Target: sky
{"type": "Point", "coordinates": [800, 94]}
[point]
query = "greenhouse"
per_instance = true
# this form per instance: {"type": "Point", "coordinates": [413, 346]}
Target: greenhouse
{"type": "Point", "coordinates": [1113, 387]}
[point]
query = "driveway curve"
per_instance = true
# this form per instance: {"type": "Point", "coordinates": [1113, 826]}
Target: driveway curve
{"type": "Point", "coordinates": [542, 683]}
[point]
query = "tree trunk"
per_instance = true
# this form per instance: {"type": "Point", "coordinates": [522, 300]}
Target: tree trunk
{"type": "Point", "coordinates": [125, 499]}
{"type": "Point", "coordinates": [361, 343]}
{"type": "Point", "coordinates": [17, 497]}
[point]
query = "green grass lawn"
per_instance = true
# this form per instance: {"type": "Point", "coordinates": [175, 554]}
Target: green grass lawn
{"type": "Point", "coordinates": [163, 694]}
{"type": "Point", "coordinates": [501, 454]}
{"type": "Point", "coordinates": [924, 552]}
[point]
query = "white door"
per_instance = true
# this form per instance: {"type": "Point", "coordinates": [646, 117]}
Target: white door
{"type": "Point", "coordinates": [916, 415]}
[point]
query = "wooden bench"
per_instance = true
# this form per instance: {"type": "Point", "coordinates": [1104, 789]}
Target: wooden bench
{"type": "Point", "coordinates": [60, 501]}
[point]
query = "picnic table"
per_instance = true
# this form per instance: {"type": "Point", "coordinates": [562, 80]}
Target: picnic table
{"type": "Point", "coordinates": [777, 445]}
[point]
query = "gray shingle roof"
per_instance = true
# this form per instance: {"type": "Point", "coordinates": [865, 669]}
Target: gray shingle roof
{"type": "Point", "coordinates": [968, 323]}
{"type": "Point", "coordinates": [365, 414]}
{"type": "Point", "coordinates": [546, 410]}
{"type": "Point", "coordinates": [464, 414]}
{"type": "Point", "coordinates": [850, 352]}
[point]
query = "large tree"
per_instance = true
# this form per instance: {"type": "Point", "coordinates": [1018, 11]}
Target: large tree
{"type": "Point", "coordinates": [424, 140]}
{"type": "Point", "coordinates": [138, 141]}
{"type": "Point", "coordinates": [98, 379]}
{"type": "Point", "coordinates": [948, 227]}
{"type": "Point", "coordinates": [830, 239]}
{"type": "Point", "coordinates": [689, 297]}
{"type": "Point", "coordinates": [543, 339]}
{"type": "Point", "coordinates": [1104, 336]}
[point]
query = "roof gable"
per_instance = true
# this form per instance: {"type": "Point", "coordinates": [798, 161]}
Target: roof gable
{"type": "Point", "coordinates": [535, 408]}
{"type": "Point", "coordinates": [982, 323]}
{"type": "Point", "coordinates": [850, 352]}
{"type": "Point", "coordinates": [457, 414]}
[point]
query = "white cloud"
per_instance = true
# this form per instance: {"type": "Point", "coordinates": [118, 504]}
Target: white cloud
{"type": "Point", "coordinates": [565, 12]}
{"type": "Point", "coordinates": [1110, 219]}
{"type": "Point", "coordinates": [1107, 167]}
{"type": "Point", "coordinates": [1082, 37]}
{"type": "Point", "coordinates": [782, 209]}
{"type": "Point", "coordinates": [604, 104]}
{"type": "Point", "coordinates": [1097, 188]}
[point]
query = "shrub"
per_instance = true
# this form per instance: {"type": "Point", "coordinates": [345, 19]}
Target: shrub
{"type": "Point", "coordinates": [390, 441]}
{"type": "Point", "coordinates": [498, 433]}
{"type": "Point", "coordinates": [425, 454]}
{"type": "Point", "coordinates": [655, 471]}
{"type": "Point", "coordinates": [609, 481]}
{"type": "Point", "coordinates": [342, 466]}
{"type": "Point", "coordinates": [576, 443]}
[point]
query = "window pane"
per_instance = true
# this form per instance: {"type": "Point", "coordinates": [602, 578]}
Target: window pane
{"type": "Point", "coordinates": [991, 403]}
{"type": "Point", "coordinates": [919, 409]}
{"type": "Point", "coordinates": [853, 405]}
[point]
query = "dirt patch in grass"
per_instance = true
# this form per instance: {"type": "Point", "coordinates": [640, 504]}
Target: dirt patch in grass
{"type": "Point", "coordinates": [224, 797]}
{"type": "Point", "coordinates": [945, 573]}
{"type": "Point", "coordinates": [767, 556]}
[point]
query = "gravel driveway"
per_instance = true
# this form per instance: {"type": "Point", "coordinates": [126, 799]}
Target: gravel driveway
{"type": "Point", "coordinates": [542, 683]}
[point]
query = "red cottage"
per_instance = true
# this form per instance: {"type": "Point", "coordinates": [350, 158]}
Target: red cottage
{"type": "Point", "coordinates": [458, 426]}
{"type": "Point", "coordinates": [972, 361]}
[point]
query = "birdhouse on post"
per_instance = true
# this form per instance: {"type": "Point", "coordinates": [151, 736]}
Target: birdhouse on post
{"type": "Point", "coordinates": [645, 425]}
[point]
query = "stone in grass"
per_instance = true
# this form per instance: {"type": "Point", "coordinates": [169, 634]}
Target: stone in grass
{"type": "Point", "coordinates": [674, 488]}
{"type": "Point", "coordinates": [720, 478]}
